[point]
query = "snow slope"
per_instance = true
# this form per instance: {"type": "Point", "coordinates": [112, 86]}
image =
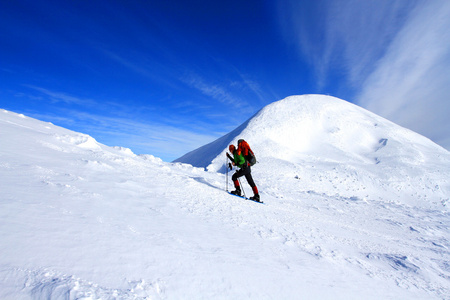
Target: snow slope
{"type": "Point", "coordinates": [338, 147]}
{"type": "Point", "coordinates": [80, 220]}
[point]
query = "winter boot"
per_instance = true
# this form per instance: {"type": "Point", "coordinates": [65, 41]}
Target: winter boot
{"type": "Point", "coordinates": [255, 198]}
{"type": "Point", "coordinates": [256, 194]}
{"type": "Point", "coordinates": [237, 192]}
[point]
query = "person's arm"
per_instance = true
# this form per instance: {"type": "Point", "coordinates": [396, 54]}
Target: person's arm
{"type": "Point", "coordinates": [229, 157]}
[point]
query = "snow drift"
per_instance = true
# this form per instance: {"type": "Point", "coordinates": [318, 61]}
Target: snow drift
{"type": "Point", "coordinates": [81, 220]}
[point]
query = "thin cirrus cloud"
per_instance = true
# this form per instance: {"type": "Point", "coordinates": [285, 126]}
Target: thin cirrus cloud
{"type": "Point", "coordinates": [410, 84]}
{"type": "Point", "coordinates": [159, 139]}
{"type": "Point", "coordinates": [346, 35]}
{"type": "Point", "coordinates": [228, 94]}
{"type": "Point", "coordinates": [61, 97]}
{"type": "Point", "coordinates": [156, 138]}
{"type": "Point", "coordinates": [214, 91]}
{"type": "Point", "coordinates": [122, 125]}
{"type": "Point", "coordinates": [394, 54]}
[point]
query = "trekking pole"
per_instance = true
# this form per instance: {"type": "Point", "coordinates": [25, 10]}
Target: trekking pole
{"type": "Point", "coordinates": [226, 167]}
{"type": "Point", "coordinates": [242, 187]}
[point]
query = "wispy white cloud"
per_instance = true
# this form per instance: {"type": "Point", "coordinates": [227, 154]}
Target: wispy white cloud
{"type": "Point", "coordinates": [60, 97]}
{"type": "Point", "coordinates": [263, 95]}
{"type": "Point", "coordinates": [115, 124]}
{"type": "Point", "coordinates": [348, 35]}
{"type": "Point", "coordinates": [222, 92]}
{"type": "Point", "coordinates": [411, 83]}
{"type": "Point", "coordinates": [212, 90]}
{"type": "Point", "coordinates": [130, 64]}
{"type": "Point", "coordinates": [394, 54]}
{"type": "Point", "coordinates": [161, 140]}
{"type": "Point", "coordinates": [157, 69]}
{"type": "Point", "coordinates": [143, 137]}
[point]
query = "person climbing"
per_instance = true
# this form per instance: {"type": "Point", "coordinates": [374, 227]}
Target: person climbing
{"type": "Point", "coordinates": [239, 160]}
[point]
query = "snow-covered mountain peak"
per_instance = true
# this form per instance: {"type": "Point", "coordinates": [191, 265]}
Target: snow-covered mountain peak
{"type": "Point", "coordinates": [323, 127]}
{"type": "Point", "coordinates": [318, 134]}
{"type": "Point", "coordinates": [333, 129]}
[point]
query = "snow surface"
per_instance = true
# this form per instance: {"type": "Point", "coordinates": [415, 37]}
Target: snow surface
{"type": "Point", "coordinates": [355, 208]}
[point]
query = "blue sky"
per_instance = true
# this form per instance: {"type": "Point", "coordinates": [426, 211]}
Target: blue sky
{"type": "Point", "coordinates": [166, 77]}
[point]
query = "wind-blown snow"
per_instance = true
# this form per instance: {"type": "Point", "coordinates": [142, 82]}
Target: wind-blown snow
{"type": "Point", "coordinates": [358, 210]}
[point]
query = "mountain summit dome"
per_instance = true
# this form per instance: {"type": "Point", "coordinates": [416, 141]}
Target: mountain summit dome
{"type": "Point", "coordinates": [319, 126]}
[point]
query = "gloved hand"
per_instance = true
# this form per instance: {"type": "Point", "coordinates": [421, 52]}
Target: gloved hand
{"type": "Point", "coordinates": [230, 166]}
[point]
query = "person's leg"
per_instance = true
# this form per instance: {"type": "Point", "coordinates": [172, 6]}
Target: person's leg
{"type": "Point", "coordinates": [244, 171]}
{"type": "Point", "coordinates": [250, 181]}
{"type": "Point", "coordinates": [235, 177]}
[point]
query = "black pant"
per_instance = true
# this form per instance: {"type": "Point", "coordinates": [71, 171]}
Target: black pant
{"type": "Point", "coordinates": [244, 171]}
